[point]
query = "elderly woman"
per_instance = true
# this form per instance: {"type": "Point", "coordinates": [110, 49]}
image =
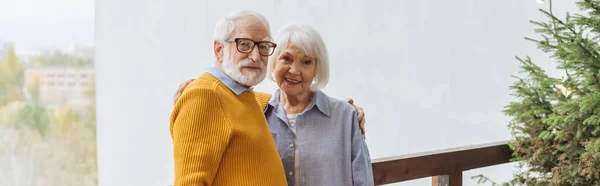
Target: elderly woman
{"type": "Point", "coordinates": [318, 137]}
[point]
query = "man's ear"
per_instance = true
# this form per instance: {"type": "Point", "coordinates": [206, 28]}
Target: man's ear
{"type": "Point", "coordinates": [218, 49]}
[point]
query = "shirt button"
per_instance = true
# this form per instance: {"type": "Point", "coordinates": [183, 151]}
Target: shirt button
{"type": "Point", "coordinates": [291, 173]}
{"type": "Point", "coordinates": [292, 124]}
{"type": "Point", "coordinates": [291, 145]}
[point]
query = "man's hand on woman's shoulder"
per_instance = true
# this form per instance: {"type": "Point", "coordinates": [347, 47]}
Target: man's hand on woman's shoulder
{"type": "Point", "coordinates": [359, 110]}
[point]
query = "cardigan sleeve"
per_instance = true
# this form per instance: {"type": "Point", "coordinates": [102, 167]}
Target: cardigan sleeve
{"type": "Point", "coordinates": [200, 133]}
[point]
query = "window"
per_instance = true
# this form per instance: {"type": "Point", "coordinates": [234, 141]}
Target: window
{"type": "Point", "coordinates": [84, 84]}
{"type": "Point", "coordinates": [50, 84]}
{"type": "Point", "coordinates": [83, 76]}
{"type": "Point", "coordinates": [71, 84]}
{"type": "Point", "coordinates": [50, 75]}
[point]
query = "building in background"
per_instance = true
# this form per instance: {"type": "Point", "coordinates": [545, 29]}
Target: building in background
{"type": "Point", "coordinates": [61, 84]}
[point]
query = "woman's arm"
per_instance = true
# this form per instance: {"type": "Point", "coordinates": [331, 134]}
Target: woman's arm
{"type": "Point", "coordinates": [362, 171]}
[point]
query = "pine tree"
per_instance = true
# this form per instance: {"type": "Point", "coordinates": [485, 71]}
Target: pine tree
{"type": "Point", "coordinates": [556, 121]}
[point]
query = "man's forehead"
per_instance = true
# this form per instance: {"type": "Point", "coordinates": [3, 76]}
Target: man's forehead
{"type": "Point", "coordinates": [256, 37]}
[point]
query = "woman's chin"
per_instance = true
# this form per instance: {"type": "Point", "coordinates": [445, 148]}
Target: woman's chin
{"type": "Point", "coordinates": [294, 91]}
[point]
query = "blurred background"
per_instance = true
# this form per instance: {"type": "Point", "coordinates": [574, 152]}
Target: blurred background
{"type": "Point", "coordinates": [47, 93]}
{"type": "Point", "coordinates": [86, 87]}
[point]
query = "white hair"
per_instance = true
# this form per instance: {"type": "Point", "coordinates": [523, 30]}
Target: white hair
{"type": "Point", "coordinates": [310, 42]}
{"type": "Point", "coordinates": [225, 25]}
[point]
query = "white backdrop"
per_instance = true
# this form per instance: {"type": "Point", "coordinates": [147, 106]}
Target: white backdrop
{"type": "Point", "coordinates": [429, 74]}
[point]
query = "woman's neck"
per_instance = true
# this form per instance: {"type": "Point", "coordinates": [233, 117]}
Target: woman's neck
{"type": "Point", "coordinates": [294, 104]}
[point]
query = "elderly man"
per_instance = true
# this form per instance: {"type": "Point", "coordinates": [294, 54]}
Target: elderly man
{"type": "Point", "coordinates": [220, 134]}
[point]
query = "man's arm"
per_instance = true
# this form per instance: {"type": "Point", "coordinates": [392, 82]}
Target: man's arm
{"type": "Point", "coordinates": [200, 135]}
{"type": "Point", "coordinates": [361, 116]}
{"type": "Point", "coordinates": [362, 171]}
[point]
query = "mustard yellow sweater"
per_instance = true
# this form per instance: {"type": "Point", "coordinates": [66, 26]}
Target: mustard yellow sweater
{"type": "Point", "coordinates": [220, 138]}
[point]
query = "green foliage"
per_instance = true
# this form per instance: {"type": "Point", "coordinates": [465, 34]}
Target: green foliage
{"type": "Point", "coordinates": [11, 77]}
{"type": "Point", "coordinates": [90, 119]}
{"type": "Point", "coordinates": [555, 121]}
{"type": "Point", "coordinates": [65, 119]}
{"type": "Point", "coordinates": [89, 124]}
{"type": "Point", "coordinates": [9, 112]}
{"type": "Point", "coordinates": [481, 179]}
{"type": "Point", "coordinates": [59, 58]}
{"type": "Point", "coordinates": [44, 146]}
{"type": "Point", "coordinates": [34, 114]}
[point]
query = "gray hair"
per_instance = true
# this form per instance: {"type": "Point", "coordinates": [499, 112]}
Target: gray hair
{"type": "Point", "coordinates": [310, 42]}
{"type": "Point", "coordinates": [225, 25]}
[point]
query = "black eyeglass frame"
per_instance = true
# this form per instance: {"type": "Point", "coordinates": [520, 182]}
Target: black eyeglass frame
{"type": "Point", "coordinates": [255, 43]}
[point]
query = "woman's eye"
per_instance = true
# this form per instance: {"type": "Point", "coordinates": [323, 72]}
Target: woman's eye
{"type": "Point", "coordinates": [307, 62]}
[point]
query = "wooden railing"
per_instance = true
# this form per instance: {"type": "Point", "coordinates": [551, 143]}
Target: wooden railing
{"type": "Point", "coordinates": [445, 166]}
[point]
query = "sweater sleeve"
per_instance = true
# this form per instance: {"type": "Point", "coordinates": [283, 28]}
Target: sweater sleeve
{"type": "Point", "coordinates": [200, 134]}
{"type": "Point", "coordinates": [262, 99]}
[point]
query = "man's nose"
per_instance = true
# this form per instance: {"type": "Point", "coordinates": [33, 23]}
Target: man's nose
{"type": "Point", "coordinates": [255, 54]}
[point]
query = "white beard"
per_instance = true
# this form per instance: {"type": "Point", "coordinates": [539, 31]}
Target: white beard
{"type": "Point", "coordinates": [234, 72]}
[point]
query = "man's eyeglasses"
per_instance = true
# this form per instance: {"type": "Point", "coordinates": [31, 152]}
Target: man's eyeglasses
{"type": "Point", "coordinates": [243, 45]}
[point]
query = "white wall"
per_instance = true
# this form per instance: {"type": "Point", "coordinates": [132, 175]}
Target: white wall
{"type": "Point", "coordinates": [429, 74]}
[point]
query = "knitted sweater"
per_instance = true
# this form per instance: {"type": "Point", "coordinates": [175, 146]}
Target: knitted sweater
{"type": "Point", "coordinates": [220, 138]}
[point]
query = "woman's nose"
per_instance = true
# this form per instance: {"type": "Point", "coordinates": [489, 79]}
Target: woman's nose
{"type": "Point", "coordinates": [293, 69]}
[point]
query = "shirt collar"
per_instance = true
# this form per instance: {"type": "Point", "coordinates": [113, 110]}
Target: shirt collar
{"type": "Point", "coordinates": [230, 83]}
{"type": "Point", "coordinates": [320, 100]}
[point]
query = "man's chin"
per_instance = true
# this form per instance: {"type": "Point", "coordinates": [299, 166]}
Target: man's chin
{"type": "Point", "coordinates": [250, 70]}
{"type": "Point", "coordinates": [252, 80]}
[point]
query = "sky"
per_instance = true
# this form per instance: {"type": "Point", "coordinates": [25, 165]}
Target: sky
{"type": "Point", "coordinates": [32, 24]}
